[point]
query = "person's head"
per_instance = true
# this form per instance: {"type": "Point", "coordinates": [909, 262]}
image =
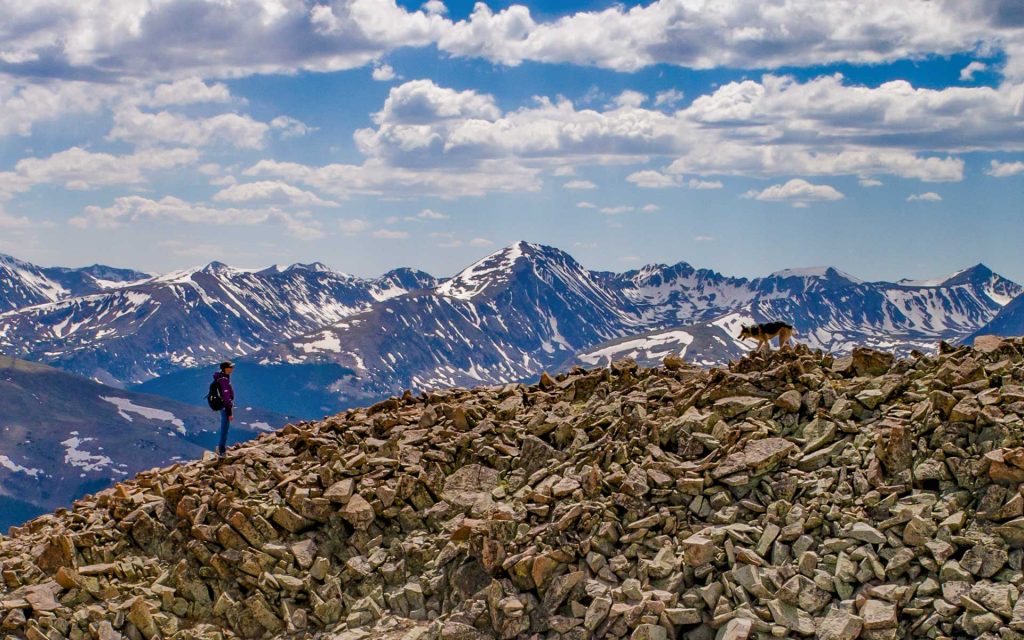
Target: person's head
{"type": "Point", "coordinates": [227, 367]}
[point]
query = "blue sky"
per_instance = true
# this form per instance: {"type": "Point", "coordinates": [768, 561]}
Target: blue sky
{"type": "Point", "coordinates": [885, 139]}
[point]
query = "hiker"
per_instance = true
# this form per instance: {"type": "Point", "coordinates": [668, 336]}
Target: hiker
{"type": "Point", "coordinates": [227, 396]}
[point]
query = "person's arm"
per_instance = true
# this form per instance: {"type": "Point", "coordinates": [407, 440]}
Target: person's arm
{"type": "Point", "coordinates": [227, 394]}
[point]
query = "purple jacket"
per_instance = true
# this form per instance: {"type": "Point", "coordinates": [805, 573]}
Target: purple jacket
{"type": "Point", "coordinates": [227, 393]}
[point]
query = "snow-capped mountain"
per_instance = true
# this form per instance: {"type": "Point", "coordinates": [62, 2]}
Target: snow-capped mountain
{"type": "Point", "coordinates": [316, 340]}
{"type": "Point", "coordinates": [187, 318]}
{"type": "Point", "coordinates": [1008, 322]}
{"type": "Point", "coordinates": [528, 308]}
{"type": "Point", "coordinates": [64, 436]}
{"type": "Point", "coordinates": [23, 284]}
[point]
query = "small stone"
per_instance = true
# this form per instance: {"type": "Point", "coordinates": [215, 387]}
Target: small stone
{"type": "Point", "coordinates": [865, 533]}
{"type": "Point", "coordinates": [839, 625]}
{"type": "Point", "coordinates": [698, 550]}
{"type": "Point", "coordinates": [878, 614]}
{"type": "Point", "coordinates": [359, 512]}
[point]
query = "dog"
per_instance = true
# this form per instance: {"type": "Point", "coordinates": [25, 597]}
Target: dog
{"type": "Point", "coordinates": [764, 333]}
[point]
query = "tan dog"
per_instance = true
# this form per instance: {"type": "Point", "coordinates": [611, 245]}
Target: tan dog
{"type": "Point", "coordinates": [764, 333]}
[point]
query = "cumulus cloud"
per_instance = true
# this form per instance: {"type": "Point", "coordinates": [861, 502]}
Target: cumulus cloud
{"type": "Point", "coordinates": [423, 102]}
{"type": "Point", "coordinates": [870, 182]}
{"type": "Point", "coordinates": [192, 90]}
{"type": "Point", "coordinates": [389, 234]}
{"type": "Point", "coordinates": [967, 73]}
{"type": "Point", "coordinates": [650, 208]}
{"type": "Point", "coordinates": [998, 169]}
{"type": "Point", "coordinates": [288, 127]}
{"type": "Point", "coordinates": [171, 209]}
{"type": "Point", "coordinates": [24, 104]}
{"type": "Point", "coordinates": [383, 73]}
{"type": "Point", "coordinates": [480, 242]}
{"type": "Point", "coordinates": [78, 169]}
{"type": "Point", "coordinates": [623, 208]}
{"type": "Point", "coordinates": [774, 127]}
{"type": "Point", "coordinates": [109, 39]}
{"type": "Point", "coordinates": [148, 129]}
{"type": "Point", "coordinates": [271, 192]}
{"type": "Point", "coordinates": [629, 99]}
{"type": "Point", "coordinates": [375, 177]}
{"type": "Point", "coordinates": [579, 185]}
{"type": "Point", "coordinates": [429, 214]}
{"type": "Point", "coordinates": [928, 196]}
{"type": "Point", "coordinates": [583, 204]}
{"type": "Point", "coordinates": [353, 226]}
{"type": "Point", "coordinates": [797, 192]}
{"type": "Point", "coordinates": [668, 98]}
{"type": "Point", "coordinates": [697, 183]}
{"type": "Point", "coordinates": [9, 221]}
{"type": "Point", "coordinates": [729, 33]}
{"type": "Point", "coordinates": [650, 179]}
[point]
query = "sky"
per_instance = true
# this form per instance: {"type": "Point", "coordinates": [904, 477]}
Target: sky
{"type": "Point", "coordinates": [883, 138]}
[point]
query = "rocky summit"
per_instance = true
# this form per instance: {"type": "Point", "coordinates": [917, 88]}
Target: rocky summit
{"type": "Point", "coordinates": [792, 494]}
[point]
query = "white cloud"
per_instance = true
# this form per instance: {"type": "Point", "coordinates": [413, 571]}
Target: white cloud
{"type": "Point", "coordinates": [76, 168]}
{"type": "Point", "coordinates": [191, 90]}
{"type": "Point", "coordinates": [289, 127]}
{"type": "Point", "coordinates": [668, 98]}
{"type": "Point", "coordinates": [480, 242]}
{"type": "Point", "coordinates": [650, 179]}
{"type": "Point", "coordinates": [650, 208]}
{"type": "Point", "coordinates": [583, 204]}
{"type": "Point", "coordinates": [171, 209]}
{"type": "Point", "coordinates": [998, 169]}
{"type": "Point", "coordinates": [9, 221]}
{"type": "Point", "coordinates": [731, 33]}
{"type": "Point", "coordinates": [565, 170]}
{"type": "Point", "coordinates": [111, 39]}
{"type": "Point", "coordinates": [271, 192]}
{"type": "Point", "coordinates": [870, 182]}
{"type": "Point", "coordinates": [389, 234]}
{"type": "Point", "coordinates": [629, 99]}
{"type": "Point", "coordinates": [375, 177]}
{"type": "Point", "coordinates": [797, 191]}
{"type": "Point", "coordinates": [703, 238]}
{"type": "Point", "coordinates": [696, 183]}
{"type": "Point", "coordinates": [353, 226]}
{"type": "Point", "coordinates": [24, 104]}
{"type": "Point", "coordinates": [429, 214]}
{"type": "Point", "coordinates": [774, 127]}
{"type": "Point", "coordinates": [421, 102]}
{"type": "Point", "coordinates": [383, 73]}
{"type": "Point", "coordinates": [967, 73]}
{"type": "Point", "coordinates": [928, 196]}
{"type": "Point", "coordinates": [579, 184]}
{"type": "Point", "coordinates": [147, 129]}
{"type": "Point", "coordinates": [617, 210]}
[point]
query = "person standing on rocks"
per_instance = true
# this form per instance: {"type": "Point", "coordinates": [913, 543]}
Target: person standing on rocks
{"type": "Point", "coordinates": [227, 396]}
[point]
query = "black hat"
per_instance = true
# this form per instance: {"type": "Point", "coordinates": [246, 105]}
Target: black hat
{"type": "Point", "coordinates": [227, 364]}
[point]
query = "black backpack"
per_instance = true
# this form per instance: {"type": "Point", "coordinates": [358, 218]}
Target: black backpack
{"type": "Point", "coordinates": [213, 397]}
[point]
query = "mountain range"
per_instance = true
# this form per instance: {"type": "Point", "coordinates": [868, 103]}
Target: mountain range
{"type": "Point", "coordinates": [64, 436]}
{"type": "Point", "coordinates": [310, 341]}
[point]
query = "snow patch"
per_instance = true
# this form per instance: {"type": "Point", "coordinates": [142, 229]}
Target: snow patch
{"type": "Point", "coordinates": [10, 465]}
{"type": "Point", "coordinates": [83, 459]}
{"type": "Point", "coordinates": [126, 406]}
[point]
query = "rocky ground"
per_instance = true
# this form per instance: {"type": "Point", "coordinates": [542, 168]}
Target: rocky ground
{"type": "Point", "coordinates": [790, 495]}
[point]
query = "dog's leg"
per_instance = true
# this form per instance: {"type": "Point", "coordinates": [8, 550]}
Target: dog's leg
{"type": "Point", "coordinates": [784, 336]}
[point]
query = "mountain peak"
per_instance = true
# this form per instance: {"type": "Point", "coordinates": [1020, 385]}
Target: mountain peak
{"type": "Point", "coordinates": [499, 268]}
{"type": "Point", "coordinates": [971, 275]}
{"type": "Point", "coordinates": [828, 273]}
